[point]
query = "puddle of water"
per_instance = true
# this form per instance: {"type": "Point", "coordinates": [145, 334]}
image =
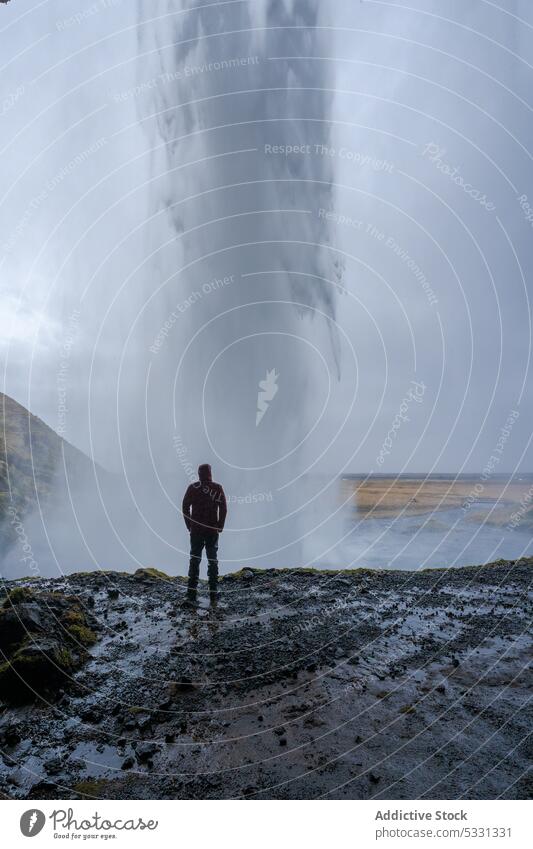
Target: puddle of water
{"type": "Point", "coordinates": [98, 760]}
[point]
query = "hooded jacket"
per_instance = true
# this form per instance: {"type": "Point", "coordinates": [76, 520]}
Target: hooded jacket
{"type": "Point", "coordinates": [204, 504]}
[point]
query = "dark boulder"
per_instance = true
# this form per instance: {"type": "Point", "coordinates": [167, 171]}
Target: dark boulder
{"type": "Point", "coordinates": [145, 752]}
{"type": "Point", "coordinates": [43, 639]}
{"type": "Point", "coordinates": [35, 669]}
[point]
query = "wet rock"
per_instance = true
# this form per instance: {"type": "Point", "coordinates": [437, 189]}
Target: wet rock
{"type": "Point", "coordinates": [91, 714]}
{"type": "Point", "coordinates": [53, 765]}
{"type": "Point", "coordinates": [34, 670]}
{"type": "Point", "coordinates": [16, 623]}
{"type": "Point", "coordinates": [184, 684]}
{"type": "Point", "coordinates": [43, 790]}
{"type": "Point", "coordinates": [145, 752]}
{"type": "Point", "coordinates": [144, 723]}
{"type": "Point", "coordinates": [44, 636]}
{"type": "Point", "coordinates": [11, 734]}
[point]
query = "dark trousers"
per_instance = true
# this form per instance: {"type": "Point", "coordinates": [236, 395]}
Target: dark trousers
{"type": "Point", "coordinates": [199, 540]}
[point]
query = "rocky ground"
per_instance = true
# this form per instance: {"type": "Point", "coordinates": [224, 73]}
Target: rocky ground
{"type": "Point", "coordinates": [304, 684]}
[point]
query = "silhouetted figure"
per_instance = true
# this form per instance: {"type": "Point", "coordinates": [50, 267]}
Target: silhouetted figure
{"type": "Point", "coordinates": [204, 510]}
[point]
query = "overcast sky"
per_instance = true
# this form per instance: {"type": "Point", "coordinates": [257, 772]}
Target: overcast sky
{"type": "Point", "coordinates": [430, 154]}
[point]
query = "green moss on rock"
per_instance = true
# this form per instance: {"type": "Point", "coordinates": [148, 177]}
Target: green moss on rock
{"type": "Point", "coordinates": [95, 789]}
{"type": "Point", "coordinates": [17, 595]}
{"type": "Point", "coordinates": [35, 670]}
{"type": "Point", "coordinates": [44, 637]}
{"type": "Point", "coordinates": [82, 635]}
{"type": "Point", "coordinates": [73, 617]}
{"type": "Point", "coordinates": [150, 572]}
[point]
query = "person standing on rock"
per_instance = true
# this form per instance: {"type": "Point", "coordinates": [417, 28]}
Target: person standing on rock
{"type": "Point", "coordinates": [204, 511]}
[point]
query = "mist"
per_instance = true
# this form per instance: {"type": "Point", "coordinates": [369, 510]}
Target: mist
{"type": "Point", "coordinates": [262, 223]}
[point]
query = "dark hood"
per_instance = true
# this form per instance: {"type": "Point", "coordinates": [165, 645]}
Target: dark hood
{"type": "Point", "coordinates": [204, 472]}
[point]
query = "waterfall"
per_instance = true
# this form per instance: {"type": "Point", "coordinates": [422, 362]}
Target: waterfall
{"type": "Point", "coordinates": [242, 279]}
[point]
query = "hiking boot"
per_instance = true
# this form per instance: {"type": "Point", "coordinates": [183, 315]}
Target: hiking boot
{"type": "Point", "coordinates": [191, 600]}
{"type": "Point", "coordinates": [213, 599]}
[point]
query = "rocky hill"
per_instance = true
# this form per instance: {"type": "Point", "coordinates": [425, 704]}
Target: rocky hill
{"type": "Point", "coordinates": [303, 684]}
{"type": "Point", "coordinates": [33, 459]}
